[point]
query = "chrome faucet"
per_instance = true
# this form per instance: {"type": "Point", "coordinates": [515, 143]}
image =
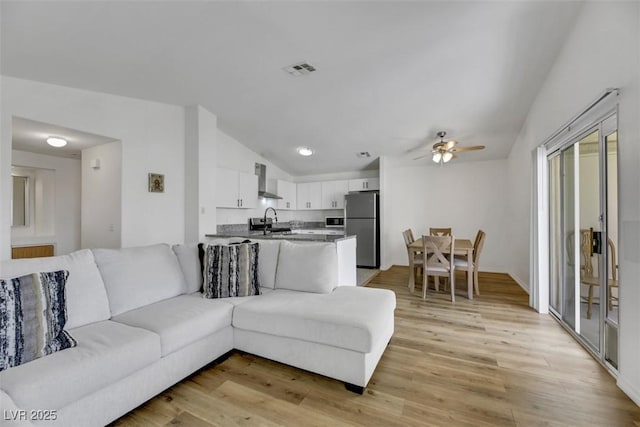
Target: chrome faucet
{"type": "Point", "coordinates": [275, 214]}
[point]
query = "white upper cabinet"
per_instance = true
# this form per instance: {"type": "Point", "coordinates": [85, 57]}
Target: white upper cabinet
{"type": "Point", "coordinates": [287, 190]}
{"type": "Point", "coordinates": [236, 189]}
{"type": "Point", "coordinates": [333, 193]}
{"type": "Point", "coordinates": [364, 184]}
{"type": "Point", "coordinates": [309, 195]}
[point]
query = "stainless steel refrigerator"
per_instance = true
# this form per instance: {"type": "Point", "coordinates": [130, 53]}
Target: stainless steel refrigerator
{"type": "Point", "coordinates": [361, 214]}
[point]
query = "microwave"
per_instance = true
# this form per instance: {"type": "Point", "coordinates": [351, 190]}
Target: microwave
{"type": "Point", "coordinates": [334, 221]}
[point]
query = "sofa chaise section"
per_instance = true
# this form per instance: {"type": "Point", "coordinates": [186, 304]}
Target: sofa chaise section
{"type": "Point", "coordinates": [341, 334]}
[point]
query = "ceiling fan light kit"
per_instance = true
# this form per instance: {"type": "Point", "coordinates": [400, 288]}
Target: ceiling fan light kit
{"type": "Point", "coordinates": [444, 151]}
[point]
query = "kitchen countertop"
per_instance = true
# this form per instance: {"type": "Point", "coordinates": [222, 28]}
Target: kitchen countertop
{"type": "Point", "coordinates": [281, 236]}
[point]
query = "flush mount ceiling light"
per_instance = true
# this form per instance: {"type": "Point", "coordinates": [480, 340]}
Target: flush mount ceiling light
{"type": "Point", "coordinates": [56, 142]}
{"type": "Point", "coordinates": [363, 154]}
{"type": "Point", "coordinates": [300, 69]}
{"type": "Point", "coordinates": [304, 151]}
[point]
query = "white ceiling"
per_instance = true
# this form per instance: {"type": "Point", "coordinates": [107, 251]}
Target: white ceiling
{"type": "Point", "coordinates": [30, 135]}
{"type": "Point", "coordinates": [389, 74]}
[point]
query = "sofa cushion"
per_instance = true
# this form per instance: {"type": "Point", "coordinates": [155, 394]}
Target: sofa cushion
{"type": "Point", "coordinates": [135, 277]}
{"type": "Point", "coordinates": [349, 317]}
{"type": "Point", "coordinates": [33, 314]}
{"type": "Point", "coordinates": [86, 295]}
{"type": "Point", "coordinates": [191, 264]}
{"type": "Point", "coordinates": [230, 270]}
{"type": "Point", "coordinates": [181, 320]}
{"type": "Point", "coordinates": [268, 262]}
{"type": "Point", "coordinates": [107, 352]}
{"type": "Point", "coordinates": [307, 267]}
{"type": "Point", "coordinates": [235, 300]}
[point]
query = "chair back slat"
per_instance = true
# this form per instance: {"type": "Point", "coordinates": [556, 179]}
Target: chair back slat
{"type": "Point", "coordinates": [408, 237]}
{"type": "Point", "coordinates": [434, 248]}
{"type": "Point", "coordinates": [477, 247]}
{"type": "Point", "coordinates": [612, 257]}
{"type": "Point", "coordinates": [586, 251]}
{"type": "Point", "coordinates": [440, 231]}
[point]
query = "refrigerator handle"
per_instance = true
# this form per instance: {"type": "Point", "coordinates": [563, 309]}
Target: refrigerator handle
{"type": "Point", "coordinates": [346, 200]}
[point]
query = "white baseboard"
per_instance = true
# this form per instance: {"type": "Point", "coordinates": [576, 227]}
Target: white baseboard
{"type": "Point", "coordinates": [520, 282]}
{"type": "Point", "coordinates": [629, 389]}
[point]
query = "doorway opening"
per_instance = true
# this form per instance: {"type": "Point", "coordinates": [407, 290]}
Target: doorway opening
{"type": "Point", "coordinates": [582, 193]}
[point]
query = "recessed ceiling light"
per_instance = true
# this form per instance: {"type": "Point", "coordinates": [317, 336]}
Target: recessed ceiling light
{"type": "Point", "coordinates": [304, 151]}
{"type": "Point", "coordinates": [56, 142]}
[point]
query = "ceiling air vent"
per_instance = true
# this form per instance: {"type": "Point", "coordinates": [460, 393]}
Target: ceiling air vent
{"type": "Point", "coordinates": [300, 69]}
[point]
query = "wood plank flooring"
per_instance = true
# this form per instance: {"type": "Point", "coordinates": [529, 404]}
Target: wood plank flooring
{"type": "Point", "coordinates": [492, 361]}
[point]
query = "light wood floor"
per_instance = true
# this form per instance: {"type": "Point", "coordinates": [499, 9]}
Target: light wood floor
{"type": "Point", "coordinates": [487, 362]}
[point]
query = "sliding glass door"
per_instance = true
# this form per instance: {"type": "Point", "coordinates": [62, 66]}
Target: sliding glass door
{"type": "Point", "coordinates": [583, 202]}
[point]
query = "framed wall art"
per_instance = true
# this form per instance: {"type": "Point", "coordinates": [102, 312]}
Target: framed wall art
{"type": "Point", "coordinates": [156, 183]}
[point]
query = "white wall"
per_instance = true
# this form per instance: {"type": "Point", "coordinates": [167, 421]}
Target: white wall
{"type": "Point", "coordinates": [465, 196]}
{"type": "Point", "coordinates": [201, 135]}
{"type": "Point", "coordinates": [602, 51]}
{"type": "Point", "coordinates": [55, 209]}
{"type": "Point", "coordinates": [101, 196]}
{"type": "Point", "coordinates": [152, 136]}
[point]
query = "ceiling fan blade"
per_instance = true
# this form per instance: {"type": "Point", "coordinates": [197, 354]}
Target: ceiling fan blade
{"type": "Point", "coordinates": [472, 148]}
{"type": "Point", "coordinates": [450, 144]}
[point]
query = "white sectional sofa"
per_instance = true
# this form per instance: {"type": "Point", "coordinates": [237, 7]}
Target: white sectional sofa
{"type": "Point", "coordinates": [142, 325]}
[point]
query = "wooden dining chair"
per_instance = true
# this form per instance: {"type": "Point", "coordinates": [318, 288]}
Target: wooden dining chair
{"type": "Point", "coordinates": [462, 263]}
{"type": "Point", "coordinates": [588, 278]}
{"type": "Point", "coordinates": [417, 255]}
{"type": "Point", "coordinates": [440, 231]}
{"type": "Point", "coordinates": [435, 263]}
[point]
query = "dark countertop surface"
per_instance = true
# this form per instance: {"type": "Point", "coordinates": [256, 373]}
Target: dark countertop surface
{"type": "Point", "coordinates": [280, 236]}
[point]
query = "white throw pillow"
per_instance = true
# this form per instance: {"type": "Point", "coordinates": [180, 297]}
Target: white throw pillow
{"type": "Point", "coordinates": [307, 267]}
{"type": "Point", "coordinates": [86, 295]}
{"type": "Point", "coordinates": [190, 265]}
{"type": "Point", "coordinates": [135, 277]}
{"type": "Point", "coordinates": [268, 261]}
{"type": "Point", "coordinates": [189, 260]}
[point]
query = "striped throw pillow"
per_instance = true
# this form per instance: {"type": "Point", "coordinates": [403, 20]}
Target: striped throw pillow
{"type": "Point", "coordinates": [33, 313]}
{"type": "Point", "coordinates": [230, 270]}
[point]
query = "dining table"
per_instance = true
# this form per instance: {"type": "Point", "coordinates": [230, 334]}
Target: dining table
{"type": "Point", "coordinates": [460, 247]}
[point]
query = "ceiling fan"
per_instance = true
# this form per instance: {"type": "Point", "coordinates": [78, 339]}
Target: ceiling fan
{"type": "Point", "coordinates": [445, 151]}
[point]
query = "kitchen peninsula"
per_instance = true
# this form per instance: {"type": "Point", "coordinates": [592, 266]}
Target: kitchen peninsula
{"type": "Point", "coordinates": [345, 248]}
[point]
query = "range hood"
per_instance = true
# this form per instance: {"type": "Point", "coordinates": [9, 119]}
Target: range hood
{"type": "Point", "coordinates": [261, 171]}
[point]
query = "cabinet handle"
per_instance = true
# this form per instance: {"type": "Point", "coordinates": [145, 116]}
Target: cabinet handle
{"type": "Point", "coordinates": [238, 202]}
